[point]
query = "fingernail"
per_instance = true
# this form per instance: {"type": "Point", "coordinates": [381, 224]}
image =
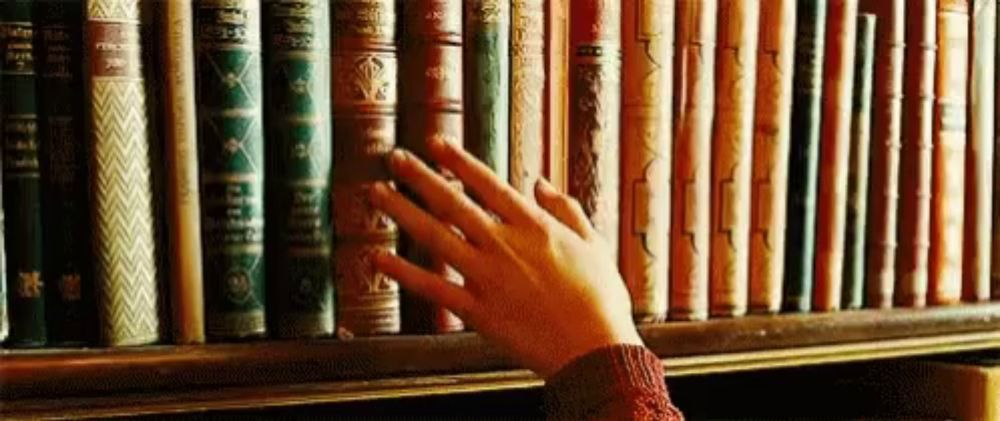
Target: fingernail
{"type": "Point", "coordinates": [396, 158]}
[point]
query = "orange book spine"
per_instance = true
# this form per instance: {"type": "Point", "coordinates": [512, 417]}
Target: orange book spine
{"type": "Point", "coordinates": [556, 91]}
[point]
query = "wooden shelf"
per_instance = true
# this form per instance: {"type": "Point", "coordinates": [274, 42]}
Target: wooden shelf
{"type": "Point", "coordinates": [159, 379]}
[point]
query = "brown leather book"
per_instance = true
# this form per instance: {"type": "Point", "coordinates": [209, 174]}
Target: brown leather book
{"type": "Point", "coordinates": [980, 160]}
{"type": "Point", "coordinates": [772, 134]}
{"type": "Point", "coordinates": [915, 156]}
{"type": "Point", "coordinates": [647, 82]}
{"type": "Point", "coordinates": [948, 183]}
{"type": "Point", "coordinates": [431, 107]}
{"type": "Point", "coordinates": [527, 95]}
{"type": "Point", "coordinates": [556, 111]}
{"type": "Point", "coordinates": [694, 101]}
{"type": "Point", "coordinates": [887, 118]}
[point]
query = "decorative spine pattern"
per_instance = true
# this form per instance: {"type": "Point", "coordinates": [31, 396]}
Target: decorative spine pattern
{"type": "Point", "coordinates": [527, 95]}
{"type": "Point", "coordinates": [487, 82]}
{"type": "Point", "coordinates": [557, 91]}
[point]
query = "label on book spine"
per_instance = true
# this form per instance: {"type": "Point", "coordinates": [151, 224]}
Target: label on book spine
{"type": "Point", "coordinates": [527, 95]}
{"type": "Point", "coordinates": [487, 82]}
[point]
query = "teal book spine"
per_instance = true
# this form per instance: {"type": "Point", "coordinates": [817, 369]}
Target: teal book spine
{"type": "Point", "coordinates": [299, 145]}
{"type": "Point", "coordinates": [231, 146]}
{"type": "Point", "coordinates": [487, 82]}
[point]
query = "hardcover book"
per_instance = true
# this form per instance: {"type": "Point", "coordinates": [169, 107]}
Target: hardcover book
{"type": "Point", "coordinates": [527, 95]}
{"type": "Point", "coordinates": [487, 82]}
{"type": "Point", "coordinates": [556, 91]}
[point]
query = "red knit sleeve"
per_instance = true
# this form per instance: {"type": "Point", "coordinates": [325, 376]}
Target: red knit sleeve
{"type": "Point", "coordinates": [621, 382]}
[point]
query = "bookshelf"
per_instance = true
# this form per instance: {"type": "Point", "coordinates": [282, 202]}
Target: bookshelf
{"type": "Point", "coordinates": [171, 379]}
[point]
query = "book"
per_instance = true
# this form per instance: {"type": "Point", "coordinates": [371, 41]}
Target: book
{"type": "Point", "coordinates": [886, 142]}
{"type": "Point", "coordinates": [125, 250]}
{"type": "Point", "coordinates": [853, 286]}
{"type": "Point", "coordinates": [556, 111]}
{"type": "Point", "coordinates": [979, 166]}
{"type": "Point", "coordinates": [594, 166]}
{"type": "Point", "coordinates": [732, 144]}
{"type": "Point", "coordinates": [647, 85]}
{"type": "Point", "coordinates": [527, 95]}
{"type": "Point", "coordinates": [771, 145]}
{"type": "Point", "coordinates": [995, 251]}
{"type": "Point", "coordinates": [487, 71]}
{"type": "Point", "coordinates": [299, 149]}
{"type": "Point", "coordinates": [948, 182]}
{"type": "Point", "coordinates": [431, 107]}
{"type": "Point", "coordinates": [231, 152]}
{"type": "Point", "coordinates": [693, 106]}
{"type": "Point", "coordinates": [4, 319]}
{"type": "Point", "coordinates": [803, 168]}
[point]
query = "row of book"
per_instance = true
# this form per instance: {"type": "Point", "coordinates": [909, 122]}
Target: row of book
{"type": "Point", "coordinates": [741, 155]}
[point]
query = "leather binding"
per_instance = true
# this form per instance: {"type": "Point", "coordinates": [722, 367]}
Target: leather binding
{"type": "Point", "coordinates": [803, 166]}
{"type": "Point", "coordinates": [950, 131]}
{"type": "Point", "coordinates": [995, 252]}
{"type": "Point", "coordinates": [187, 301]}
{"type": "Point", "coordinates": [4, 319]}
{"type": "Point", "coordinates": [979, 155]}
{"type": "Point", "coordinates": [22, 175]}
{"type": "Point", "coordinates": [231, 146]}
{"type": "Point", "coordinates": [853, 286]}
{"type": "Point", "coordinates": [557, 91]}
{"type": "Point", "coordinates": [299, 248]}
{"type": "Point", "coordinates": [121, 184]}
{"type": "Point", "coordinates": [487, 82]}
{"type": "Point", "coordinates": [887, 120]}
{"type": "Point", "coordinates": [732, 144]}
{"type": "Point", "coordinates": [431, 107]}
{"type": "Point", "coordinates": [527, 95]}
{"type": "Point", "coordinates": [647, 85]}
{"type": "Point", "coordinates": [772, 138]}
{"type": "Point", "coordinates": [364, 66]}
{"type": "Point", "coordinates": [694, 101]}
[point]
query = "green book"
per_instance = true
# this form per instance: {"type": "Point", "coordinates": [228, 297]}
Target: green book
{"type": "Point", "coordinates": [487, 82]}
{"type": "Point", "coordinates": [231, 145]}
{"type": "Point", "coordinates": [298, 122]}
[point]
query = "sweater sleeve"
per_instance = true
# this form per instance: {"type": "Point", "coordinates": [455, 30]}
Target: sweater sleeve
{"type": "Point", "coordinates": [621, 382]}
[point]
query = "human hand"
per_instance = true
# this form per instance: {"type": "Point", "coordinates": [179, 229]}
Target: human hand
{"type": "Point", "coordinates": [539, 281]}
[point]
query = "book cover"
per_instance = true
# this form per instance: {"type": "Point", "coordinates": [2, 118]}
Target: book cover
{"type": "Point", "coordinates": [646, 133]}
{"type": "Point", "coordinates": [556, 112]}
{"type": "Point", "coordinates": [527, 95]}
{"type": "Point", "coordinates": [487, 82]}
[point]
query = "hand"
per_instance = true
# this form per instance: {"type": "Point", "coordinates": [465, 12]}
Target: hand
{"type": "Point", "coordinates": [539, 282]}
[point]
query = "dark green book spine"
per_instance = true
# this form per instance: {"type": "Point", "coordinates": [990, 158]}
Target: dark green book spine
{"type": "Point", "coordinates": [804, 160]}
{"type": "Point", "coordinates": [22, 175]}
{"type": "Point", "coordinates": [297, 71]}
{"type": "Point", "coordinates": [69, 302]}
{"type": "Point", "coordinates": [231, 145]}
{"type": "Point", "coordinates": [853, 287]}
{"type": "Point", "coordinates": [487, 82]}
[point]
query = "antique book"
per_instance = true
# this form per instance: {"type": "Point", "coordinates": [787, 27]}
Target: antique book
{"type": "Point", "coordinates": [853, 286]}
{"type": "Point", "coordinates": [296, 46]}
{"type": "Point", "coordinates": [431, 107]}
{"type": "Point", "coordinates": [22, 175]}
{"type": "Point", "coordinates": [948, 181]}
{"type": "Point", "coordinates": [487, 82]}
{"type": "Point", "coordinates": [732, 144]}
{"type": "Point", "coordinates": [803, 164]}
{"type": "Point", "coordinates": [693, 107]}
{"type": "Point", "coordinates": [527, 95]}
{"type": "Point", "coordinates": [886, 137]}
{"type": "Point", "coordinates": [4, 320]}
{"type": "Point", "coordinates": [979, 166]}
{"type": "Point", "coordinates": [364, 68]}
{"type": "Point", "coordinates": [187, 302]}
{"type": "Point", "coordinates": [123, 229]}
{"type": "Point", "coordinates": [556, 109]}
{"type": "Point", "coordinates": [647, 82]}
{"type": "Point", "coordinates": [772, 137]}
{"type": "Point", "coordinates": [231, 146]}
{"type": "Point", "coordinates": [995, 251]}
{"type": "Point", "coordinates": [915, 155]}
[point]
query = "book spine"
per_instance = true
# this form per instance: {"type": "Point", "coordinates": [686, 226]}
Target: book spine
{"type": "Point", "coordinates": [732, 144]}
{"type": "Point", "coordinates": [807, 87]}
{"type": "Point", "coordinates": [365, 66]}
{"type": "Point", "coordinates": [122, 197]}
{"type": "Point", "coordinates": [647, 85]}
{"type": "Point", "coordinates": [22, 174]}
{"type": "Point", "coordinates": [556, 110]}
{"type": "Point", "coordinates": [431, 74]}
{"type": "Point", "coordinates": [948, 183]}
{"type": "Point", "coordinates": [694, 99]}
{"type": "Point", "coordinates": [231, 144]}
{"type": "Point", "coordinates": [980, 160]}
{"type": "Point", "coordinates": [297, 119]}
{"type": "Point", "coordinates": [527, 95]}
{"type": "Point", "coordinates": [4, 318]}
{"type": "Point", "coordinates": [857, 177]}
{"type": "Point", "coordinates": [487, 82]}
{"type": "Point", "coordinates": [772, 137]}
{"type": "Point", "coordinates": [883, 195]}
{"type": "Point", "coordinates": [995, 252]}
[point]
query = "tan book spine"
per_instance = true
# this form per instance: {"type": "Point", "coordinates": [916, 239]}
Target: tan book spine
{"type": "Point", "coordinates": [556, 91]}
{"type": "Point", "coordinates": [647, 51]}
{"type": "Point", "coordinates": [694, 82]}
{"type": "Point", "coordinates": [771, 144]}
{"type": "Point", "coordinates": [527, 95]}
{"type": "Point", "coordinates": [995, 253]}
{"type": "Point", "coordinates": [948, 183]}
